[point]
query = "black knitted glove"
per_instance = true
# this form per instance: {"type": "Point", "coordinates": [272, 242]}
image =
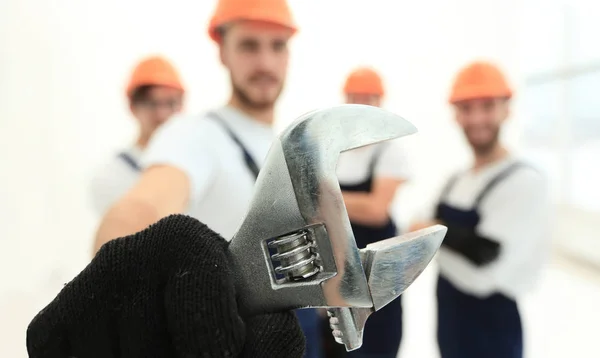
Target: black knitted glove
{"type": "Point", "coordinates": [480, 250]}
{"type": "Point", "coordinates": [164, 292]}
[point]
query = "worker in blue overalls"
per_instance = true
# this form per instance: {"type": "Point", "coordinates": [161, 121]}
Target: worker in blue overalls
{"type": "Point", "coordinates": [206, 165]}
{"type": "Point", "coordinates": [369, 178]}
{"type": "Point", "coordinates": [496, 212]}
{"type": "Point", "coordinates": [154, 93]}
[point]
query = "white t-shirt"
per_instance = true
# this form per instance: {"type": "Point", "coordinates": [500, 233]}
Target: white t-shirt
{"type": "Point", "coordinates": [353, 165]}
{"type": "Point", "coordinates": [515, 213]}
{"type": "Point", "coordinates": [114, 179]}
{"type": "Point", "coordinates": [221, 183]}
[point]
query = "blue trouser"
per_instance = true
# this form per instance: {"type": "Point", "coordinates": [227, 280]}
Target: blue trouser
{"type": "Point", "coordinates": [471, 327]}
{"type": "Point", "coordinates": [310, 323]}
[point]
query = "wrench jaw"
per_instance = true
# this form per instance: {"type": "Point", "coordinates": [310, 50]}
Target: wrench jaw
{"type": "Point", "coordinates": [344, 127]}
{"type": "Point", "coordinates": [348, 324]}
{"type": "Point", "coordinates": [394, 264]}
{"type": "Point", "coordinates": [391, 265]}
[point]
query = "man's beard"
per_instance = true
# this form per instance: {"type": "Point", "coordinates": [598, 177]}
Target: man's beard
{"type": "Point", "coordinates": [248, 102]}
{"type": "Point", "coordinates": [484, 149]}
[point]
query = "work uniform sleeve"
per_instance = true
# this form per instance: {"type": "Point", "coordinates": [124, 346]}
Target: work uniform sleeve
{"type": "Point", "coordinates": [185, 143]}
{"type": "Point", "coordinates": [393, 162]}
{"type": "Point", "coordinates": [109, 184]}
{"type": "Point", "coordinates": [517, 216]}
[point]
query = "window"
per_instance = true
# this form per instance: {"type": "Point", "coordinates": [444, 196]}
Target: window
{"type": "Point", "coordinates": [583, 191]}
{"type": "Point", "coordinates": [541, 36]}
{"type": "Point", "coordinates": [543, 106]}
{"type": "Point", "coordinates": [562, 100]}
{"type": "Point", "coordinates": [583, 93]}
{"type": "Point", "coordinates": [583, 30]}
{"type": "Point", "coordinates": [584, 152]}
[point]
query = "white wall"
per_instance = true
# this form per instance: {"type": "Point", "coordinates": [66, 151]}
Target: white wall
{"type": "Point", "coordinates": [63, 67]}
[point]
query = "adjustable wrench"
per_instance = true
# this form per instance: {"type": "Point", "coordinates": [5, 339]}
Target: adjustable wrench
{"type": "Point", "coordinates": [295, 247]}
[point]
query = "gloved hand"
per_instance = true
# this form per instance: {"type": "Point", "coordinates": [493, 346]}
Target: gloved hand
{"type": "Point", "coordinates": [480, 250]}
{"type": "Point", "coordinates": [164, 292]}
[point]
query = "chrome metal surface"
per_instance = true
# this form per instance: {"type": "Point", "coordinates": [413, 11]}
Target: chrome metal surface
{"type": "Point", "coordinates": [394, 264]}
{"type": "Point", "coordinates": [296, 255]}
{"type": "Point", "coordinates": [295, 247]}
{"type": "Point", "coordinates": [348, 324]}
{"type": "Point", "coordinates": [297, 189]}
{"type": "Point", "coordinates": [391, 266]}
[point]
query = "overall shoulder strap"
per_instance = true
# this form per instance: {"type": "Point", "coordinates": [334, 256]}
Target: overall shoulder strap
{"type": "Point", "coordinates": [449, 185]}
{"type": "Point", "coordinates": [375, 158]}
{"type": "Point", "coordinates": [132, 163]}
{"type": "Point", "coordinates": [496, 180]}
{"type": "Point", "coordinates": [250, 163]}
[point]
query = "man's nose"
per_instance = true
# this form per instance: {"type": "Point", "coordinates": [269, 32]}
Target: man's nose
{"type": "Point", "coordinates": [163, 113]}
{"type": "Point", "coordinates": [478, 116]}
{"type": "Point", "coordinates": [266, 59]}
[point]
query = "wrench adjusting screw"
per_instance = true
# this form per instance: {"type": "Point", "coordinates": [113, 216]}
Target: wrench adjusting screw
{"type": "Point", "coordinates": [296, 254]}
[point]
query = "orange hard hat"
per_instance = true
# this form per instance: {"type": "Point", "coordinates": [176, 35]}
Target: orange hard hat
{"type": "Point", "coordinates": [154, 71]}
{"type": "Point", "coordinates": [272, 11]}
{"type": "Point", "coordinates": [479, 80]}
{"type": "Point", "coordinates": [364, 80]}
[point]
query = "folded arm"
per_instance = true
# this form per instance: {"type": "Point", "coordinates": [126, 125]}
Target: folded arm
{"type": "Point", "coordinates": [372, 208]}
{"type": "Point", "coordinates": [476, 248]}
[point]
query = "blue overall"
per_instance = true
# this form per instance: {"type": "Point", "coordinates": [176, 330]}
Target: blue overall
{"type": "Point", "coordinates": [128, 159]}
{"type": "Point", "coordinates": [309, 317]}
{"type": "Point", "coordinates": [383, 329]}
{"type": "Point", "coordinates": [469, 326]}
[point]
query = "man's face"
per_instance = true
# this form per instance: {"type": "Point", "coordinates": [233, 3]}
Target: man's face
{"type": "Point", "coordinates": [361, 98]}
{"type": "Point", "coordinates": [480, 120]}
{"type": "Point", "coordinates": [156, 106]}
{"type": "Point", "coordinates": [256, 55]}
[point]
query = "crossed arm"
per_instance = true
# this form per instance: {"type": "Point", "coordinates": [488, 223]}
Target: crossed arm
{"type": "Point", "coordinates": [372, 208]}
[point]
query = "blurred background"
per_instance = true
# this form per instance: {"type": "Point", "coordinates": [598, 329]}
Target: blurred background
{"type": "Point", "coordinates": [64, 65]}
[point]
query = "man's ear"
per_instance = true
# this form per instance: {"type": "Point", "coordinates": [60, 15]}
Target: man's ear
{"type": "Point", "coordinates": [378, 101]}
{"type": "Point", "coordinates": [222, 54]}
{"type": "Point", "coordinates": [505, 109]}
{"type": "Point", "coordinates": [131, 106]}
{"type": "Point", "coordinates": [456, 113]}
{"type": "Point", "coordinates": [134, 109]}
